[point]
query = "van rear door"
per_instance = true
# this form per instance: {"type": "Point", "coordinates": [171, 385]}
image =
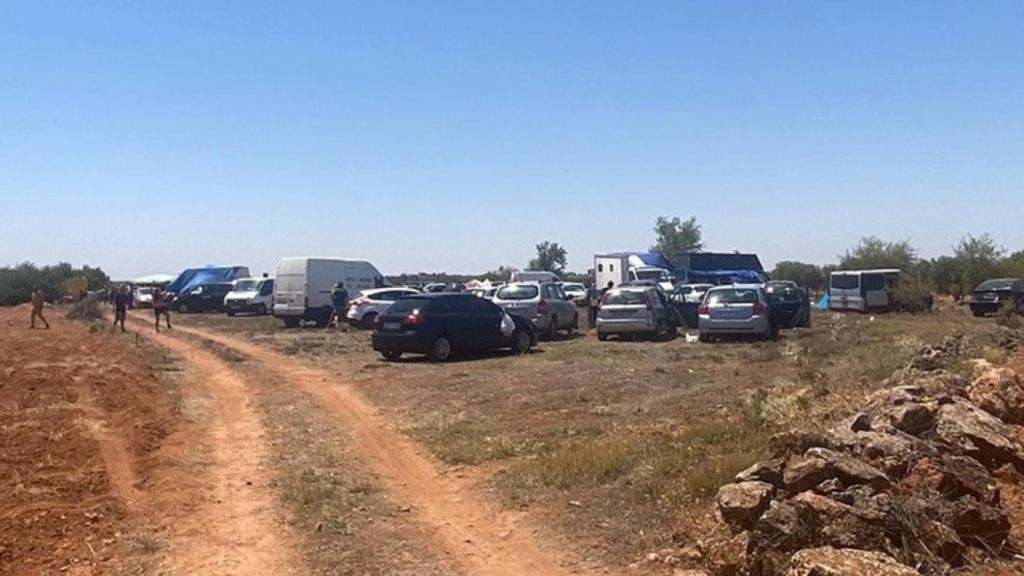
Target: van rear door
{"type": "Point", "coordinates": [844, 291]}
{"type": "Point", "coordinates": [290, 287]}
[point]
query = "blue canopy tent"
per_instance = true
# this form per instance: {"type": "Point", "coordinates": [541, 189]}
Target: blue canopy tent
{"type": "Point", "coordinates": [725, 276]}
{"type": "Point", "coordinates": [193, 277]}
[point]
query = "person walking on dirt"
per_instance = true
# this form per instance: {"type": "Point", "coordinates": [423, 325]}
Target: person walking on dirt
{"type": "Point", "coordinates": [121, 301]}
{"type": "Point", "coordinates": [593, 303]}
{"type": "Point", "coordinates": [161, 307]}
{"type": "Point", "coordinates": [339, 299]}
{"type": "Point", "coordinates": [38, 300]}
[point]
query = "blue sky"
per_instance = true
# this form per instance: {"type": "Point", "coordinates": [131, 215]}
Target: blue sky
{"type": "Point", "coordinates": [454, 136]}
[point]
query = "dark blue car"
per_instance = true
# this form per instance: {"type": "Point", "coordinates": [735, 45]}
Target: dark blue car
{"type": "Point", "coordinates": [440, 325]}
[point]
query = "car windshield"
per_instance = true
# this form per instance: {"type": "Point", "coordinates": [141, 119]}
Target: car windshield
{"type": "Point", "coordinates": [997, 284]}
{"type": "Point", "coordinates": [246, 285]}
{"type": "Point", "coordinates": [407, 305]}
{"type": "Point", "coordinates": [521, 292]}
{"type": "Point", "coordinates": [732, 296]}
{"type": "Point", "coordinates": [627, 297]}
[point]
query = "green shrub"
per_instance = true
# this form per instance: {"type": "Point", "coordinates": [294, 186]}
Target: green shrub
{"type": "Point", "coordinates": [911, 294]}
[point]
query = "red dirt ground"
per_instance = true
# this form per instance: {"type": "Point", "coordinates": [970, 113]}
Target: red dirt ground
{"type": "Point", "coordinates": [68, 481]}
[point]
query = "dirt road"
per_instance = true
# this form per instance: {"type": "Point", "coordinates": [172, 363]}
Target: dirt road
{"type": "Point", "coordinates": [474, 533]}
{"type": "Point", "coordinates": [237, 527]}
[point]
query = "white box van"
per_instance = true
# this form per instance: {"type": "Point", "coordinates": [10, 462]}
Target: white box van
{"type": "Point", "coordinates": [302, 289]}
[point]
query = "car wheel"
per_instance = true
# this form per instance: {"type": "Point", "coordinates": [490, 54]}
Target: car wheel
{"type": "Point", "coordinates": [553, 329]}
{"type": "Point", "coordinates": [368, 320]}
{"type": "Point", "coordinates": [184, 308]}
{"type": "Point", "coordinates": [601, 336]}
{"type": "Point", "coordinates": [978, 313]}
{"type": "Point", "coordinates": [575, 326]}
{"type": "Point", "coordinates": [391, 355]}
{"type": "Point", "coordinates": [703, 338]}
{"type": "Point", "coordinates": [521, 342]}
{"type": "Point", "coordinates": [291, 322]}
{"type": "Point", "coordinates": [231, 312]}
{"type": "Point", "coordinates": [261, 310]}
{"type": "Point", "coordinates": [440, 349]}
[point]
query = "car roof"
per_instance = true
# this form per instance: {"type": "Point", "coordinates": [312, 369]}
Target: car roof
{"type": "Point", "coordinates": [735, 287]}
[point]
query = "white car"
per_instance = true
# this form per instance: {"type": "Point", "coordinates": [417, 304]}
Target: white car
{"type": "Point", "coordinates": [576, 292]}
{"type": "Point", "coordinates": [363, 311]}
{"type": "Point", "coordinates": [143, 297]}
{"type": "Point", "coordinates": [255, 295]}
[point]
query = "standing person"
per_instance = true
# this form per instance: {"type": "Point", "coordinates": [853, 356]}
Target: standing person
{"type": "Point", "coordinates": [38, 300]}
{"type": "Point", "coordinates": [121, 301]}
{"type": "Point", "coordinates": [593, 303]}
{"type": "Point", "coordinates": [161, 306]}
{"type": "Point", "coordinates": [339, 298]}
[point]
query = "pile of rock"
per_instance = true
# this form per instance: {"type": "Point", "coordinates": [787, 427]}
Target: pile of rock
{"type": "Point", "coordinates": [904, 487]}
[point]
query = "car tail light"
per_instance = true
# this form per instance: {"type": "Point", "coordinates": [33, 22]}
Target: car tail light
{"type": "Point", "coordinates": [542, 308]}
{"type": "Point", "coordinates": [415, 317]}
{"type": "Point", "coordinates": [758, 308]}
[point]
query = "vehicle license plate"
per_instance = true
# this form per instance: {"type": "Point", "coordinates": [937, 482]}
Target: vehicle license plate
{"type": "Point", "coordinates": [392, 325]}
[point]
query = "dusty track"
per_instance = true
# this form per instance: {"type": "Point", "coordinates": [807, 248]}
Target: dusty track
{"type": "Point", "coordinates": [236, 527]}
{"type": "Point", "coordinates": [477, 535]}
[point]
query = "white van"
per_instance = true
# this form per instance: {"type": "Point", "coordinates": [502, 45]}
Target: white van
{"type": "Point", "coordinates": [861, 290]}
{"type": "Point", "coordinates": [253, 295]}
{"type": "Point", "coordinates": [533, 276]}
{"type": "Point", "coordinates": [302, 290]}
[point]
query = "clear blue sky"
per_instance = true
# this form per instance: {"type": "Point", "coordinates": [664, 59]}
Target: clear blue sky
{"type": "Point", "coordinates": [429, 135]}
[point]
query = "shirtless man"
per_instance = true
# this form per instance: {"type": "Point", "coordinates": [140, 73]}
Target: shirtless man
{"type": "Point", "coordinates": [37, 308]}
{"type": "Point", "coordinates": [161, 306]}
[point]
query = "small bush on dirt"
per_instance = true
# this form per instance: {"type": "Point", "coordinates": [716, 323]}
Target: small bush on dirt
{"type": "Point", "coordinates": [88, 310]}
{"type": "Point", "coordinates": [911, 294]}
{"type": "Point", "coordinates": [591, 463]}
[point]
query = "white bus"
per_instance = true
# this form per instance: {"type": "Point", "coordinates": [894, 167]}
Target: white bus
{"type": "Point", "coordinates": [861, 290]}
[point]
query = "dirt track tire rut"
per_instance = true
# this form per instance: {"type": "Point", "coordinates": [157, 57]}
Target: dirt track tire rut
{"type": "Point", "coordinates": [475, 534]}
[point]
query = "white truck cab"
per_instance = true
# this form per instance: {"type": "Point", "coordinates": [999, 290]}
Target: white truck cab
{"type": "Point", "coordinates": [250, 295]}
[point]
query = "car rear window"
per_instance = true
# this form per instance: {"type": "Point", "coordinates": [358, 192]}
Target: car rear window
{"type": "Point", "coordinates": [784, 293]}
{"type": "Point", "coordinates": [845, 281]}
{"type": "Point", "coordinates": [732, 296]}
{"type": "Point", "coordinates": [995, 285]}
{"type": "Point", "coordinates": [523, 292]}
{"type": "Point", "coordinates": [407, 305]}
{"type": "Point", "coordinates": [626, 297]}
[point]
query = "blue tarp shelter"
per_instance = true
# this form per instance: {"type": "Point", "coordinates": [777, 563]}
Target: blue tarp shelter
{"type": "Point", "coordinates": [823, 302]}
{"type": "Point", "coordinates": [193, 277]}
{"type": "Point", "coordinates": [725, 276]}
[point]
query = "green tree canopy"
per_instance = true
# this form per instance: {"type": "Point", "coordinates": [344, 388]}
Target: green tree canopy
{"type": "Point", "coordinates": [873, 252]}
{"type": "Point", "coordinates": [550, 257]}
{"type": "Point", "coordinates": [807, 275]}
{"type": "Point", "coordinates": [674, 237]}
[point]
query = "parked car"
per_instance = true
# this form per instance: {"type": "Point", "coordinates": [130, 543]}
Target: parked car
{"type": "Point", "coordinates": [739, 309]}
{"type": "Point", "coordinates": [143, 297]}
{"type": "Point", "coordinates": [302, 290]}
{"type": "Point", "coordinates": [544, 303]}
{"type": "Point", "coordinates": [576, 291]}
{"type": "Point", "coordinates": [440, 325]}
{"type": "Point", "coordinates": [633, 310]}
{"type": "Point", "coordinates": [203, 298]}
{"type": "Point", "coordinates": [250, 295]}
{"type": "Point", "coordinates": [790, 304]}
{"type": "Point", "coordinates": [436, 287]}
{"type": "Point", "coordinates": [992, 295]}
{"type": "Point", "coordinates": [363, 311]}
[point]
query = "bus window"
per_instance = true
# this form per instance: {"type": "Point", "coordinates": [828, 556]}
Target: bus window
{"type": "Point", "coordinates": [873, 282]}
{"type": "Point", "coordinates": [845, 281]}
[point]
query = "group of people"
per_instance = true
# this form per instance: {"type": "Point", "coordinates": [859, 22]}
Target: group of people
{"type": "Point", "coordinates": [123, 300]}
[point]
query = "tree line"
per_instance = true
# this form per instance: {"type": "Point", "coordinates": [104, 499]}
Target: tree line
{"type": "Point", "coordinates": [18, 282]}
{"type": "Point", "coordinates": [974, 259]}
